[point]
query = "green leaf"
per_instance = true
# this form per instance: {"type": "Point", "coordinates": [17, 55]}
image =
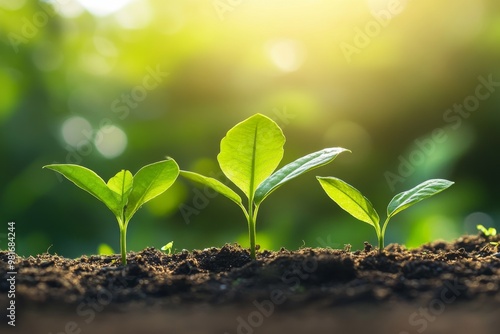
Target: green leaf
{"type": "Point", "coordinates": [294, 169]}
{"type": "Point", "coordinates": [168, 247]}
{"type": "Point", "coordinates": [350, 199]}
{"type": "Point", "coordinates": [121, 184]}
{"type": "Point", "coordinates": [215, 184]}
{"type": "Point", "coordinates": [89, 181]}
{"type": "Point", "coordinates": [424, 190]}
{"type": "Point", "coordinates": [251, 151]}
{"type": "Point", "coordinates": [150, 181]}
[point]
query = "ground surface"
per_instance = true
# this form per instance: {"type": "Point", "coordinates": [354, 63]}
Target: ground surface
{"type": "Point", "coordinates": [439, 287]}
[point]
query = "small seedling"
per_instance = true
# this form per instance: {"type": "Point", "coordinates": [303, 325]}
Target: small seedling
{"type": "Point", "coordinates": [249, 153]}
{"type": "Point", "coordinates": [352, 201]}
{"type": "Point", "coordinates": [490, 232]}
{"type": "Point", "coordinates": [168, 247]}
{"type": "Point", "coordinates": [123, 194]}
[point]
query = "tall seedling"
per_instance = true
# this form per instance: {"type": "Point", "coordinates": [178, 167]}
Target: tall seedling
{"type": "Point", "coordinates": [249, 153]}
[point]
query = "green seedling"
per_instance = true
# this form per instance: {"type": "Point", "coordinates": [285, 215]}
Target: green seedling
{"type": "Point", "coordinates": [168, 247]}
{"type": "Point", "coordinates": [249, 154]}
{"type": "Point", "coordinates": [123, 194]}
{"type": "Point", "coordinates": [352, 201]}
{"type": "Point", "coordinates": [490, 232]}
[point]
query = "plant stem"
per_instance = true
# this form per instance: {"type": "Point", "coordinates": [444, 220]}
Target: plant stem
{"type": "Point", "coordinates": [252, 218]}
{"type": "Point", "coordinates": [251, 231]}
{"type": "Point", "coordinates": [123, 244]}
{"type": "Point", "coordinates": [123, 236]}
{"type": "Point", "coordinates": [380, 243]}
{"type": "Point", "coordinates": [381, 236]}
{"type": "Point", "coordinates": [251, 226]}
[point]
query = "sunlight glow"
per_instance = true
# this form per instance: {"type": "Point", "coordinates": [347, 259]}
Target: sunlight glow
{"type": "Point", "coordinates": [385, 7]}
{"type": "Point", "coordinates": [103, 8]}
{"type": "Point", "coordinates": [288, 55]}
{"type": "Point", "coordinates": [137, 16]}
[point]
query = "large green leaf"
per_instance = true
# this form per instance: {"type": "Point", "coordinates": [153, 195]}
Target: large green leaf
{"type": "Point", "coordinates": [251, 151]}
{"type": "Point", "coordinates": [424, 190]}
{"type": "Point", "coordinates": [89, 181]}
{"type": "Point", "coordinates": [215, 184]}
{"type": "Point", "coordinates": [149, 182]}
{"type": "Point", "coordinates": [121, 184]}
{"type": "Point", "coordinates": [350, 199]}
{"type": "Point", "coordinates": [294, 169]}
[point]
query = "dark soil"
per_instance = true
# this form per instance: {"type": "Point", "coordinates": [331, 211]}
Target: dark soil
{"type": "Point", "coordinates": [438, 287]}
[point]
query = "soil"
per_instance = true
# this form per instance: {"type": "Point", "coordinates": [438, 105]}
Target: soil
{"type": "Point", "coordinates": [439, 287]}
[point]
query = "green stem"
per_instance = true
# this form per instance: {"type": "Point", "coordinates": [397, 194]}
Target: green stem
{"type": "Point", "coordinates": [252, 218]}
{"type": "Point", "coordinates": [380, 242]}
{"type": "Point", "coordinates": [251, 232]}
{"type": "Point", "coordinates": [123, 244]}
{"type": "Point", "coordinates": [381, 236]}
{"type": "Point", "coordinates": [123, 236]}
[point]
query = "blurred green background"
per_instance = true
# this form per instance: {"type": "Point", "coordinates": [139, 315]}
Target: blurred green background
{"type": "Point", "coordinates": [411, 87]}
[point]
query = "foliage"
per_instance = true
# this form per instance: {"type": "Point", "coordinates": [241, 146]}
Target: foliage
{"type": "Point", "coordinates": [351, 200]}
{"type": "Point", "coordinates": [123, 194]}
{"type": "Point", "coordinates": [168, 247]}
{"type": "Point", "coordinates": [249, 153]}
{"type": "Point", "coordinates": [488, 232]}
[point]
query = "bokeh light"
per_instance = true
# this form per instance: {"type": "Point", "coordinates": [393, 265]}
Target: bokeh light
{"type": "Point", "coordinates": [287, 55]}
{"type": "Point", "coordinates": [103, 8]}
{"type": "Point", "coordinates": [76, 131]}
{"type": "Point", "coordinates": [110, 141]}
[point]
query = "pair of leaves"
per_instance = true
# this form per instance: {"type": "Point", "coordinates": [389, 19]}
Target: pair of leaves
{"type": "Point", "coordinates": [352, 201]}
{"type": "Point", "coordinates": [249, 154]}
{"type": "Point", "coordinates": [123, 194]}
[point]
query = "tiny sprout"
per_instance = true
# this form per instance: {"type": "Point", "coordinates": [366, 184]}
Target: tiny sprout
{"type": "Point", "coordinates": [490, 232]}
{"type": "Point", "coordinates": [168, 247]}
{"type": "Point", "coordinates": [352, 201]}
